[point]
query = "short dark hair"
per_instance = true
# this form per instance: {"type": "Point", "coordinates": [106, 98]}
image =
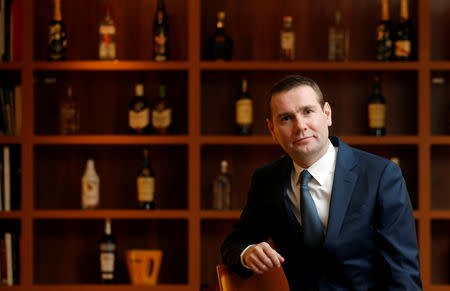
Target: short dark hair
{"type": "Point", "coordinates": [290, 82]}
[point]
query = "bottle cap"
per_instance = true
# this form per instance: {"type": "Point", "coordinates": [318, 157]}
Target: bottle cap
{"type": "Point", "coordinates": [223, 166]}
{"type": "Point", "coordinates": [287, 19]}
{"type": "Point", "coordinates": [139, 90]}
{"type": "Point", "coordinates": [221, 15]}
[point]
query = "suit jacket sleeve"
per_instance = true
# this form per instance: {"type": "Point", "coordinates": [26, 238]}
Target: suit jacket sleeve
{"type": "Point", "coordinates": [395, 232]}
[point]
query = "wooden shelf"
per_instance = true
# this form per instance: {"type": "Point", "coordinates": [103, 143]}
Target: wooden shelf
{"type": "Point", "coordinates": [440, 140]}
{"type": "Point", "coordinates": [7, 66]}
{"type": "Point", "coordinates": [110, 139]}
{"type": "Point", "coordinates": [13, 214]}
{"type": "Point", "coordinates": [116, 65]}
{"type": "Point", "coordinates": [113, 213]}
{"type": "Point", "coordinates": [220, 214]}
{"type": "Point", "coordinates": [118, 287]}
{"type": "Point", "coordinates": [440, 214]}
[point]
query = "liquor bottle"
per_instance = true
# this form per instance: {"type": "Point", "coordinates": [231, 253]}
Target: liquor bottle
{"type": "Point", "coordinates": [69, 114]}
{"type": "Point", "coordinates": [338, 39]}
{"type": "Point", "coordinates": [222, 188]}
{"type": "Point", "coordinates": [108, 255]}
{"type": "Point", "coordinates": [107, 36]}
{"type": "Point", "coordinates": [146, 185]}
{"type": "Point", "coordinates": [403, 43]}
{"type": "Point", "coordinates": [244, 110]}
{"type": "Point", "coordinates": [287, 40]}
{"type": "Point", "coordinates": [57, 38]}
{"type": "Point", "coordinates": [377, 110]}
{"type": "Point", "coordinates": [139, 112]}
{"type": "Point", "coordinates": [161, 112]}
{"type": "Point", "coordinates": [160, 34]}
{"type": "Point", "coordinates": [385, 34]}
{"type": "Point", "coordinates": [90, 187]}
{"type": "Point", "coordinates": [220, 45]}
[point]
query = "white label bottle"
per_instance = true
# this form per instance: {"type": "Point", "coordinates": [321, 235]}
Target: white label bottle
{"type": "Point", "coordinates": [90, 187]}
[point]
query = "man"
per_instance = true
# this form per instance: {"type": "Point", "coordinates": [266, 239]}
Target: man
{"type": "Point", "coordinates": [345, 223]}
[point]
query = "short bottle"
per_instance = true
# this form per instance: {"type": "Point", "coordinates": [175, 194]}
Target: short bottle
{"type": "Point", "coordinates": [108, 255]}
{"type": "Point", "coordinates": [57, 37]}
{"type": "Point", "coordinates": [139, 112]}
{"type": "Point", "coordinates": [222, 189]}
{"type": "Point", "coordinates": [287, 40]}
{"type": "Point", "coordinates": [90, 187]}
{"type": "Point", "coordinates": [377, 110]}
{"type": "Point", "coordinates": [160, 34]}
{"type": "Point", "coordinates": [220, 45]}
{"type": "Point", "coordinates": [338, 39]}
{"type": "Point", "coordinates": [69, 114]}
{"type": "Point", "coordinates": [146, 185]}
{"type": "Point", "coordinates": [403, 43]}
{"type": "Point", "coordinates": [385, 35]}
{"type": "Point", "coordinates": [244, 110]}
{"type": "Point", "coordinates": [107, 36]}
{"type": "Point", "coordinates": [161, 112]}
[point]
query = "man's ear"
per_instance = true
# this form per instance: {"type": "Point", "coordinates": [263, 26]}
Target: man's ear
{"type": "Point", "coordinates": [327, 111]}
{"type": "Point", "coordinates": [270, 127]}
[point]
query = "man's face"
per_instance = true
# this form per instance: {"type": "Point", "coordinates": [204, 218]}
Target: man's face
{"type": "Point", "coordinates": [300, 125]}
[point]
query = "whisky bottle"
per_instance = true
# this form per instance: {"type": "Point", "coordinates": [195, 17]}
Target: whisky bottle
{"type": "Point", "coordinates": [403, 43]}
{"type": "Point", "coordinates": [287, 40]}
{"type": "Point", "coordinates": [90, 187]}
{"type": "Point", "coordinates": [161, 112]}
{"type": "Point", "coordinates": [146, 185]}
{"type": "Point", "coordinates": [220, 45]}
{"type": "Point", "coordinates": [244, 110]}
{"type": "Point", "coordinates": [160, 34]}
{"type": "Point", "coordinates": [69, 115]}
{"type": "Point", "coordinates": [222, 188]}
{"type": "Point", "coordinates": [384, 45]}
{"type": "Point", "coordinates": [139, 112]}
{"type": "Point", "coordinates": [57, 38]}
{"type": "Point", "coordinates": [377, 110]}
{"type": "Point", "coordinates": [107, 36]}
{"type": "Point", "coordinates": [338, 39]}
{"type": "Point", "coordinates": [108, 255]}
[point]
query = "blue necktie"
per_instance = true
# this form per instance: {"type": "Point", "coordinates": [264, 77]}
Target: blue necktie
{"type": "Point", "coordinates": [313, 233]}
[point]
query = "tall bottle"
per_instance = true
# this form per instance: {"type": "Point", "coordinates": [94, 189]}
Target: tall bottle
{"type": "Point", "coordinates": [338, 39]}
{"type": "Point", "coordinates": [107, 36]}
{"type": "Point", "coordinates": [220, 45]}
{"type": "Point", "coordinates": [139, 112]}
{"type": "Point", "coordinates": [222, 188]}
{"type": "Point", "coordinates": [377, 110]}
{"type": "Point", "coordinates": [244, 110]}
{"type": "Point", "coordinates": [90, 187]}
{"type": "Point", "coordinates": [385, 34]}
{"type": "Point", "coordinates": [160, 34]}
{"type": "Point", "coordinates": [146, 185]}
{"type": "Point", "coordinates": [108, 255]}
{"type": "Point", "coordinates": [161, 112]}
{"type": "Point", "coordinates": [69, 114]}
{"type": "Point", "coordinates": [57, 38]}
{"type": "Point", "coordinates": [403, 43]}
{"type": "Point", "coordinates": [287, 40]}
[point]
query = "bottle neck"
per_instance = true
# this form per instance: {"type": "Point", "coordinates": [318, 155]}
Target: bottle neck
{"type": "Point", "coordinates": [161, 4]}
{"type": "Point", "coordinates": [57, 10]}
{"type": "Point", "coordinates": [107, 227]}
{"type": "Point", "coordinates": [385, 10]}
{"type": "Point", "coordinates": [244, 86]}
{"type": "Point", "coordinates": [404, 10]}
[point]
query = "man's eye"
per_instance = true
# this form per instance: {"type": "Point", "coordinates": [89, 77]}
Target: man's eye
{"type": "Point", "coordinates": [308, 111]}
{"type": "Point", "coordinates": [285, 118]}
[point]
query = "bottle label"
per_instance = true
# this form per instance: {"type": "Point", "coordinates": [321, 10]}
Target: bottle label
{"type": "Point", "coordinates": [57, 42]}
{"type": "Point", "coordinates": [107, 46]}
{"type": "Point", "coordinates": [287, 40]}
{"type": "Point", "coordinates": [107, 29]}
{"type": "Point", "coordinates": [107, 264]}
{"type": "Point", "coordinates": [146, 188]}
{"type": "Point", "coordinates": [107, 247]}
{"type": "Point", "coordinates": [244, 112]}
{"type": "Point", "coordinates": [138, 120]}
{"type": "Point", "coordinates": [90, 194]}
{"type": "Point", "coordinates": [162, 119]}
{"type": "Point", "coordinates": [160, 50]}
{"type": "Point", "coordinates": [402, 48]}
{"type": "Point", "coordinates": [377, 115]}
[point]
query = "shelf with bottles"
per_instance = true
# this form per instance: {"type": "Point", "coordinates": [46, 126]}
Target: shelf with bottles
{"type": "Point", "coordinates": [440, 252]}
{"type": "Point", "coordinates": [10, 252]}
{"type": "Point", "coordinates": [99, 116]}
{"type": "Point", "coordinates": [67, 239]}
{"type": "Point", "coordinates": [440, 184]}
{"type": "Point", "coordinates": [113, 65]}
{"type": "Point", "coordinates": [59, 171]}
{"type": "Point", "coordinates": [256, 37]}
{"type": "Point", "coordinates": [134, 27]}
{"type": "Point", "coordinates": [349, 103]}
{"type": "Point", "coordinates": [440, 103]}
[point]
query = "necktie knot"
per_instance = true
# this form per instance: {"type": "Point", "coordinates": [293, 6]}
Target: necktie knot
{"type": "Point", "coordinates": [305, 177]}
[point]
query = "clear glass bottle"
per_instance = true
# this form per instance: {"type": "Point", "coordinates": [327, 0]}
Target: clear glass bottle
{"type": "Point", "coordinates": [90, 187]}
{"type": "Point", "coordinates": [161, 112]}
{"type": "Point", "coordinates": [146, 185]}
{"type": "Point", "coordinates": [69, 115]}
{"type": "Point", "coordinates": [139, 112]}
{"type": "Point", "coordinates": [287, 40]}
{"type": "Point", "coordinates": [377, 110]}
{"type": "Point", "coordinates": [244, 110]}
{"type": "Point", "coordinates": [222, 189]}
{"type": "Point", "coordinates": [220, 45]}
{"type": "Point", "coordinates": [384, 47]}
{"type": "Point", "coordinates": [160, 34]}
{"type": "Point", "coordinates": [338, 39]}
{"type": "Point", "coordinates": [108, 255]}
{"type": "Point", "coordinates": [107, 36]}
{"type": "Point", "coordinates": [57, 37]}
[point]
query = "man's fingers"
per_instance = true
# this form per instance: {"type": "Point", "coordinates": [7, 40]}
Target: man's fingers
{"type": "Point", "coordinates": [261, 258]}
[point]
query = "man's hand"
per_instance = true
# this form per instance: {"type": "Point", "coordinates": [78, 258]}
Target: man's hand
{"type": "Point", "coordinates": [262, 257]}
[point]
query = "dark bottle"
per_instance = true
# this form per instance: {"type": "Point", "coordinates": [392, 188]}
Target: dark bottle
{"type": "Point", "coordinates": [403, 43]}
{"type": "Point", "coordinates": [161, 112]}
{"type": "Point", "coordinates": [160, 34]}
{"type": "Point", "coordinates": [139, 112]}
{"type": "Point", "coordinates": [57, 38]}
{"type": "Point", "coordinates": [220, 45]}
{"type": "Point", "coordinates": [244, 110]}
{"type": "Point", "coordinates": [108, 255]}
{"type": "Point", "coordinates": [377, 110]}
{"type": "Point", "coordinates": [146, 185]}
{"type": "Point", "coordinates": [384, 46]}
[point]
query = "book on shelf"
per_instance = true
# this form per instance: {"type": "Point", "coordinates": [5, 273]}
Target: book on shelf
{"type": "Point", "coordinates": [10, 30]}
{"type": "Point", "coordinates": [9, 258]}
{"type": "Point", "coordinates": [10, 178]}
{"type": "Point", "coordinates": [11, 110]}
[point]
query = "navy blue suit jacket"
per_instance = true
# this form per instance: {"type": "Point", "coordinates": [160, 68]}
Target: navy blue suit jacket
{"type": "Point", "coordinates": [370, 242]}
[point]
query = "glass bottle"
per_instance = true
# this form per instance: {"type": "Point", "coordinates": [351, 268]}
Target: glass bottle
{"type": "Point", "coordinates": [90, 187]}
{"type": "Point", "coordinates": [287, 40]}
{"type": "Point", "coordinates": [108, 254]}
{"type": "Point", "coordinates": [139, 112]}
{"type": "Point", "coordinates": [384, 46]}
{"type": "Point", "coordinates": [403, 43]}
{"type": "Point", "coordinates": [146, 185]}
{"type": "Point", "coordinates": [160, 34]}
{"type": "Point", "coordinates": [338, 39]}
{"type": "Point", "coordinates": [69, 114]}
{"type": "Point", "coordinates": [107, 36]}
{"type": "Point", "coordinates": [377, 110]}
{"type": "Point", "coordinates": [220, 45]}
{"type": "Point", "coordinates": [161, 112]}
{"type": "Point", "coordinates": [57, 38]}
{"type": "Point", "coordinates": [222, 188]}
{"type": "Point", "coordinates": [244, 110]}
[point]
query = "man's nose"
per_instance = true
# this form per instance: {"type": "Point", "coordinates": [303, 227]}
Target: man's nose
{"type": "Point", "coordinates": [300, 123]}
